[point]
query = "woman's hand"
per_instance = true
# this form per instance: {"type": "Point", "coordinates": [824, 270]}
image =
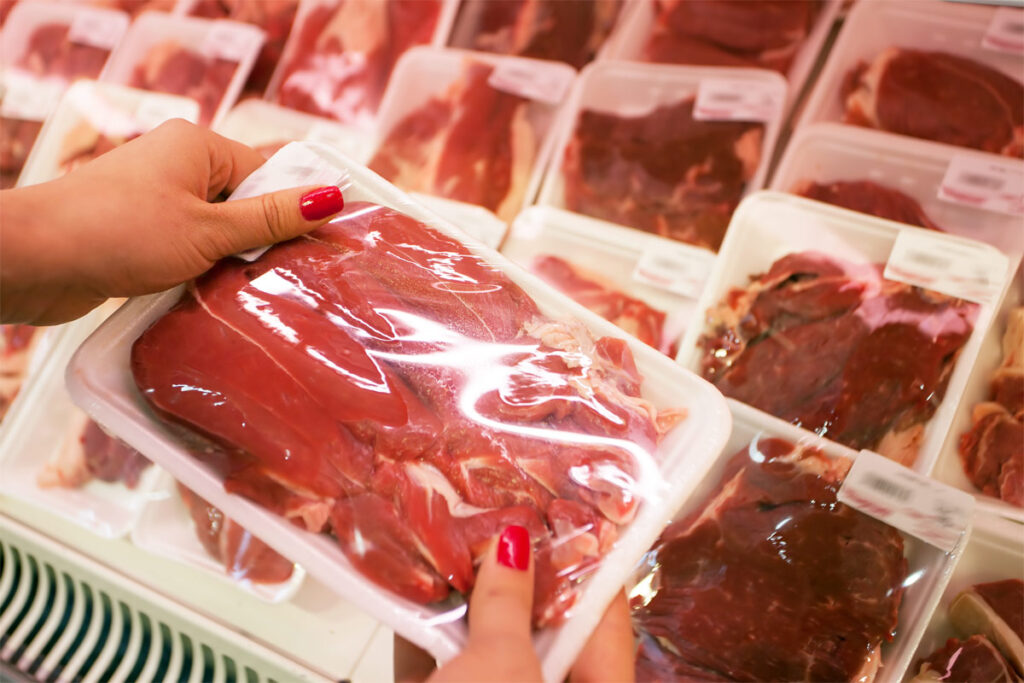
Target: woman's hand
{"type": "Point", "coordinates": [500, 648]}
{"type": "Point", "coordinates": [139, 220]}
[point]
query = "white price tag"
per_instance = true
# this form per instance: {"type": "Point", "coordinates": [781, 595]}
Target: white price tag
{"type": "Point", "coordinates": [1006, 31]}
{"type": "Point", "coordinates": [29, 98]}
{"type": "Point", "coordinates": [989, 184]}
{"type": "Point", "coordinates": [934, 512]}
{"type": "Point", "coordinates": [731, 99]}
{"type": "Point", "coordinates": [530, 81]}
{"type": "Point", "coordinates": [675, 269]}
{"type": "Point", "coordinates": [231, 42]}
{"type": "Point", "coordinates": [966, 270]}
{"type": "Point", "coordinates": [97, 28]}
{"type": "Point", "coordinates": [155, 109]}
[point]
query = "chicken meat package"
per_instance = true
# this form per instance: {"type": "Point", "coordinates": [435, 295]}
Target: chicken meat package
{"type": "Point", "coordinates": [340, 55]}
{"type": "Point", "coordinates": [267, 127]}
{"type": "Point", "coordinates": [93, 118]}
{"type": "Point", "coordinates": [207, 60]}
{"type": "Point", "coordinates": [43, 48]}
{"type": "Point", "coordinates": [54, 457]}
{"type": "Point", "coordinates": [179, 525]}
{"type": "Point", "coordinates": [378, 399]}
{"type": "Point", "coordinates": [782, 35]}
{"type": "Point", "coordinates": [645, 284]}
{"type": "Point", "coordinates": [560, 30]}
{"type": "Point", "coordinates": [984, 452]}
{"type": "Point", "coordinates": [274, 17]}
{"type": "Point", "coordinates": [647, 146]}
{"type": "Point", "coordinates": [858, 329]}
{"type": "Point", "coordinates": [976, 632]}
{"type": "Point", "coordinates": [925, 70]}
{"type": "Point", "coordinates": [916, 182]}
{"type": "Point", "coordinates": [768, 573]}
{"type": "Point", "coordinates": [469, 127]}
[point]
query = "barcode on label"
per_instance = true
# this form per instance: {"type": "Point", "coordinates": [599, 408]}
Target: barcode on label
{"type": "Point", "coordinates": [889, 488]}
{"type": "Point", "coordinates": [726, 97]}
{"type": "Point", "coordinates": [733, 99]}
{"type": "Point", "coordinates": [967, 270]}
{"type": "Point", "coordinates": [675, 270]}
{"type": "Point", "coordinates": [992, 185]}
{"type": "Point", "coordinates": [983, 181]}
{"type": "Point", "coordinates": [925, 258]}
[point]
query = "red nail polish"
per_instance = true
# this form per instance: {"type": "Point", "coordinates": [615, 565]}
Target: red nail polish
{"type": "Point", "coordinates": [514, 548]}
{"type": "Point", "coordinates": [321, 203]}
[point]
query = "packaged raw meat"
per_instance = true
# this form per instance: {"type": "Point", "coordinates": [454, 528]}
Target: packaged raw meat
{"type": "Point", "coordinates": [633, 152]}
{"type": "Point", "coordinates": [275, 17]}
{"type": "Point", "coordinates": [203, 59]}
{"type": "Point", "coordinates": [815, 316]}
{"type": "Point", "coordinates": [340, 55]}
{"type": "Point", "coordinates": [920, 69]}
{"type": "Point", "coordinates": [766, 576]}
{"type": "Point", "coordinates": [472, 359]}
{"type": "Point", "coordinates": [92, 118]}
{"type": "Point", "coordinates": [908, 173]}
{"type": "Point", "coordinates": [181, 526]}
{"type": "Point", "coordinates": [268, 127]}
{"type": "Point", "coordinates": [562, 30]}
{"type": "Point", "coordinates": [18, 344]}
{"type": "Point", "coordinates": [617, 273]}
{"type": "Point", "coordinates": [471, 129]}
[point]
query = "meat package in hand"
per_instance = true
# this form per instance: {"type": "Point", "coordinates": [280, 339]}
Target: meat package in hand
{"type": "Point", "coordinates": [245, 557]}
{"type": "Point", "coordinates": [992, 451]}
{"type": "Point", "coordinates": [377, 381]}
{"type": "Point", "coordinates": [562, 30]}
{"type": "Point", "coordinates": [771, 579]}
{"type": "Point", "coordinates": [869, 197]}
{"type": "Point", "coordinates": [937, 96]}
{"type": "Point", "coordinates": [90, 453]}
{"type": "Point", "coordinates": [765, 34]}
{"type": "Point", "coordinates": [344, 53]}
{"type": "Point", "coordinates": [604, 298]}
{"type": "Point", "coordinates": [172, 68]}
{"type": "Point", "coordinates": [835, 348]}
{"type": "Point", "coordinates": [474, 144]}
{"type": "Point", "coordinates": [17, 343]}
{"type": "Point", "coordinates": [663, 172]}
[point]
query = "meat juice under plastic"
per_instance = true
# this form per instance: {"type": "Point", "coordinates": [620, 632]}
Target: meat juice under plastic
{"type": "Point", "coordinates": [833, 347]}
{"type": "Point", "coordinates": [377, 381]}
{"type": "Point", "coordinates": [770, 578]}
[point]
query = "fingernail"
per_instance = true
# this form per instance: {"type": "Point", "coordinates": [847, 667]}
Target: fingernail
{"type": "Point", "coordinates": [514, 548]}
{"type": "Point", "coordinates": [321, 203]}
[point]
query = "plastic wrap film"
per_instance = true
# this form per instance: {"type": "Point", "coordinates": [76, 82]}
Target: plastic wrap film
{"type": "Point", "coordinates": [831, 346]}
{"type": "Point", "coordinates": [341, 54]}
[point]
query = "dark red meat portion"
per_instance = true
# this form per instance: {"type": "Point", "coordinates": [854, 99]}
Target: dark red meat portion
{"type": "Point", "coordinates": [663, 172]}
{"type": "Point", "coordinates": [1006, 598]}
{"type": "Point", "coordinates": [771, 579]}
{"type": "Point", "coordinates": [834, 348]}
{"type": "Point", "coordinates": [171, 68]}
{"type": "Point", "coordinates": [966, 661]}
{"type": "Point", "coordinates": [109, 459]}
{"type": "Point", "coordinates": [50, 53]}
{"type": "Point", "coordinates": [871, 198]}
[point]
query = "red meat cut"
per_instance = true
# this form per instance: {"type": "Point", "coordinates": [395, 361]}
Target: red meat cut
{"type": "Point", "coordinates": [770, 579]}
{"type": "Point", "coordinates": [474, 144]}
{"type": "Point", "coordinates": [376, 380]}
{"type": "Point", "coordinates": [869, 197]}
{"type": "Point", "coordinates": [90, 453]}
{"type": "Point", "coordinates": [344, 54]}
{"type": "Point", "coordinates": [16, 347]}
{"type": "Point", "coordinates": [937, 96]}
{"type": "Point", "coordinates": [49, 52]}
{"type": "Point", "coordinates": [633, 315]}
{"type": "Point", "coordinates": [663, 172]}
{"type": "Point", "coordinates": [562, 30]}
{"type": "Point", "coordinates": [171, 68]}
{"type": "Point", "coordinates": [836, 349]}
{"type": "Point", "coordinates": [967, 661]}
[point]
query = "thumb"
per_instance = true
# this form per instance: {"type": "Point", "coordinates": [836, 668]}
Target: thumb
{"type": "Point", "coordinates": [259, 221]}
{"type": "Point", "coordinates": [501, 607]}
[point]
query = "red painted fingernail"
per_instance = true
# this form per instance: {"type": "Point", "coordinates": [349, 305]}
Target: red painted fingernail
{"type": "Point", "coordinates": [514, 548]}
{"type": "Point", "coordinates": [321, 203]}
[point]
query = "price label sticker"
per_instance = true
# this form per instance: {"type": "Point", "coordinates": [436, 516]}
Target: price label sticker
{"type": "Point", "coordinates": [29, 98]}
{"type": "Point", "coordinates": [97, 28]}
{"type": "Point", "coordinates": [733, 99]}
{"type": "Point", "coordinates": [966, 270]}
{"type": "Point", "coordinates": [531, 81]}
{"type": "Point", "coordinates": [989, 184]}
{"type": "Point", "coordinates": [231, 42]}
{"type": "Point", "coordinates": [674, 269]}
{"type": "Point", "coordinates": [938, 514]}
{"type": "Point", "coordinates": [155, 109]}
{"type": "Point", "coordinates": [1005, 32]}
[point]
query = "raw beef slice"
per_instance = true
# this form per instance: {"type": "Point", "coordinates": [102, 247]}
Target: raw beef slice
{"type": "Point", "coordinates": [937, 96]}
{"type": "Point", "coordinates": [376, 380]}
{"type": "Point", "coordinates": [770, 579]}
{"type": "Point", "coordinates": [168, 67]}
{"type": "Point", "coordinates": [836, 349]}
{"type": "Point", "coordinates": [974, 660]}
{"type": "Point", "coordinates": [474, 144]}
{"type": "Point", "coordinates": [17, 342]}
{"type": "Point", "coordinates": [868, 197]}
{"type": "Point", "coordinates": [90, 453]}
{"type": "Point", "coordinates": [996, 611]}
{"type": "Point", "coordinates": [663, 172]}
